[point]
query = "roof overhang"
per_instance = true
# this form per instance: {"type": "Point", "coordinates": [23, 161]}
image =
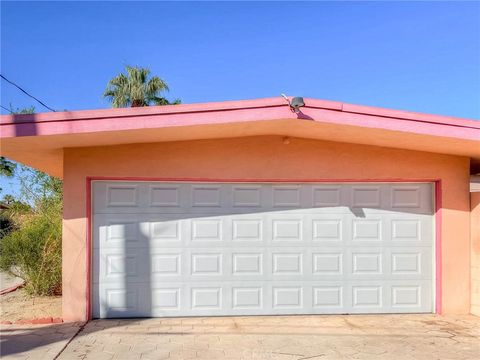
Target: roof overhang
{"type": "Point", "coordinates": [38, 140]}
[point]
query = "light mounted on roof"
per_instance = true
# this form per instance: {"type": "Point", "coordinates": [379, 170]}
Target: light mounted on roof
{"type": "Point", "coordinates": [295, 104]}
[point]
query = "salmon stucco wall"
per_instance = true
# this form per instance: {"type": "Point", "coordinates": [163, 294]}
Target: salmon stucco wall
{"type": "Point", "coordinates": [267, 157]}
{"type": "Point", "coordinates": [475, 258]}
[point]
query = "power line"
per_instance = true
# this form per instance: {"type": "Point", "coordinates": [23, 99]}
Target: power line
{"type": "Point", "coordinates": [26, 93]}
{"type": "Point", "coordinates": [4, 108]}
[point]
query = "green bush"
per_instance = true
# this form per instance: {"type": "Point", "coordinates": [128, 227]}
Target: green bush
{"type": "Point", "coordinates": [32, 249]}
{"type": "Point", "coordinates": [34, 253]}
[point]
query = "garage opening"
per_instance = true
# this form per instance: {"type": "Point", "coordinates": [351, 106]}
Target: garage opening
{"type": "Point", "coordinates": [195, 249]}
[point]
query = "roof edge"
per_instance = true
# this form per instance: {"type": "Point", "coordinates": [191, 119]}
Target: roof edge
{"type": "Point", "coordinates": [236, 105]}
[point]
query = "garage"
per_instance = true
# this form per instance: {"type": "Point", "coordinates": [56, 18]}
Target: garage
{"type": "Point", "coordinates": [261, 248]}
{"type": "Point", "coordinates": [248, 207]}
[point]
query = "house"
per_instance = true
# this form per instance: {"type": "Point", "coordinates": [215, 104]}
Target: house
{"type": "Point", "coordinates": [248, 207]}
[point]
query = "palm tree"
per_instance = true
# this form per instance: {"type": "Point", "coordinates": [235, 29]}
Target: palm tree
{"type": "Point", "coordinates": [135, 89]}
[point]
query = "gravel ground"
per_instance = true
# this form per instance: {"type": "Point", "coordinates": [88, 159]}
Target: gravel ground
{"type": "Point", "coordinates": [18, 305]}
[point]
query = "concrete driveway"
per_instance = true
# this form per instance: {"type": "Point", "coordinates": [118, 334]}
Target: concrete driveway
{"type": "Point", "coordinates": [35, 341]}
{"type": "Point", "coordinates": [280, 337]}
{"type": "Point", "coordinates": [259, 338]}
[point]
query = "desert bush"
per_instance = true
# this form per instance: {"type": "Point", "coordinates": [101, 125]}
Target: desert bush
{"type": "Point", "coordinates": [33, 253]}
{"type": "Point", "coordinates": [33, 249]}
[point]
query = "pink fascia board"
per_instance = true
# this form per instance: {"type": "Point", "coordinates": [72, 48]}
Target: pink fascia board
{"type": "Point", "coordinates": [144, 111]}
{"type": "Point", "coordinates": [160, 110]}
{"type": "Point", "coordinates": [235, 112]}
{"type": "Point", "coordinates": [401, 125]}
{"type": "Point", "coordinates": [408, 115]}
{"type": "Point", "coordinates": [135, 122]}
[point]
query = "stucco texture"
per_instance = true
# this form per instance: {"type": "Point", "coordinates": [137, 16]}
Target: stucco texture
{"type": "Point", "coordinates": [475, 236]}
{"type": "Point", "coordinates": [267, 157]}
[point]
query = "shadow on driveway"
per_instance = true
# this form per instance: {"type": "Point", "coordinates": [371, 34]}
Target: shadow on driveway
{"type": "Point", "coordinates": [35, 341]}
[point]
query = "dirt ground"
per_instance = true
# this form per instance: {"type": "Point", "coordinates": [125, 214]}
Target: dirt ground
{"type": "Point", "coordinates": [18, 305]}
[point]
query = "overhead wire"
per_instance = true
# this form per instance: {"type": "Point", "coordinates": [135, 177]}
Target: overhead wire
{"type": "Point", "coordinates": [26, 93]}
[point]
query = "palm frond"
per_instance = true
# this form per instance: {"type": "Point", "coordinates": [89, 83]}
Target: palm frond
{"type": "Point", "coordinates": [136, 88]}
{"type": "Point", "coordinates": [159, 101]}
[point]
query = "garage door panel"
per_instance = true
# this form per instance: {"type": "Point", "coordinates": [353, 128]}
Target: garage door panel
{"type": "Point", "coordinates": [393, 263]}
{"type": "Point", "coordinates": [249, 265]}
{"type": "Point", "coordinates": [286, 263]}
{"type": "Point", "coordinates": [124, 197]}
{"type": "Point", "coordinates": [120, 230]}
{"type": "Point", "coordinates": [168, 265]}
{"type": "Point", "coordinates": [166, 231]}
{"type": "Point", "coordinates": [251, 298]}
{"type": "Point", "coordinates": [411, 263]}
{"type": "Point", "coordinates": [176, 249]}
{"type": "Point", "coordinates": [118, 265]}
{"type": "Point", "coordinates": [365, 262]}
{"type": "Point", "coordinates": [328, 230]}
{"type": "Point", "coordinates": [122, 266]}
{"type": "Point", "coordinates": [391, 297]}
{"type": "Point", "coordinates": [370, 297]}
{"type": "Point", "coordinates": [411, 297]}
{"type": "Point", "coordinates": [406, 230]}
{"type": "Point", "coordinates": [414, 197]}
{"type": "Point", "coordinates": [246, 230]}
{"type": "Point", "coordinates": [109, 197]}
{"type": "Point", "coordinates": [118, 301]}
{"type": "Point", "coordinates": [207, 230]}
{"type": "Point", "coordinates": [286, 229]}
{"type": "Point", "coordinates": [206, 264]}
{"type": "Point", "coordinates": [367, 230]}
{"type": "Point", "coordinates": [281, 264]}
{"type": "Point", "coordinates": [326, 263]}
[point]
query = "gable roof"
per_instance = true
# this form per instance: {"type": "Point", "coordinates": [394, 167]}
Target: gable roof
{"type": "Point", "coordinates": [38, 139]}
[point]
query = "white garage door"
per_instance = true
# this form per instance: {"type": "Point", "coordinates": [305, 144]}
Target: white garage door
{"type": "Point", "coordinates": [180, 249]}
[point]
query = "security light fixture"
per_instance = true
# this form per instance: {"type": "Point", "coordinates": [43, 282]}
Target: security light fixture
{"type": "Point", "coordinates": [295, 104]}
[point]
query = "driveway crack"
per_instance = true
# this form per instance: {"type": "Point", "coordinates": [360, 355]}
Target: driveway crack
{"type": "Point", "coordinates": [311, 357]}
{"type": "Point", "coordinates": [69, 341]}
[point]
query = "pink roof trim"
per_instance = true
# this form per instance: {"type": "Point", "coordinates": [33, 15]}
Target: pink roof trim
{"type": "Point", "coordinates": [235, 105]}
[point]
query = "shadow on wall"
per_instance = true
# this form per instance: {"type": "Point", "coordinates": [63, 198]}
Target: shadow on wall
{"type": "Point", "coordinates": [25, 124]}
{"type": "Point", "coordinates": [134, 297]}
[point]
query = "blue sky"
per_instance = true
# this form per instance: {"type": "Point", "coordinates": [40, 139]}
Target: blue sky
{"type": "Point", "coordinates": [419, 56]}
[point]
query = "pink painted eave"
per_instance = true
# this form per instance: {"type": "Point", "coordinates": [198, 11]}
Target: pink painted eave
{"type": "Point", "coordinates": [234, 105]}
{"type": "Point", "coordinates": [151, 110]}
{"type": "Point", "coordinates": [91, 121]}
